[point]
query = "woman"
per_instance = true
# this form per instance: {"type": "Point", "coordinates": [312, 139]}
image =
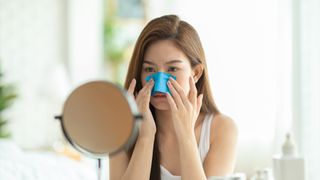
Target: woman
{"type": "Point", "coordinates": [183, 134]}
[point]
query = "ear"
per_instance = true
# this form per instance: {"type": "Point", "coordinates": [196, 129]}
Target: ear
{"type": "Point", "coordinates": [197, 72]}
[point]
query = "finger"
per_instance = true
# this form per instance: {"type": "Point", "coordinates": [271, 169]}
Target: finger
{"type": "Point", "coordinates": [199, 102]}
{"type": "Point", "coordinates": [151, 83]}
{"type": "Point", "coordinates": [149, 88]}
{"type": "Point", "coordinates": [175, 95]}
{"type": "Point", "coordinates": [132, 86]}
{"type": "Point", "coordinates": [193, 91]}
{"type": "Point", "coordinates": [143, 97]}
{"type": "Point", "coordinates": [180, 91]}
{"type": "Point", "coordinates": [171, 102]}
{"type": "Point", "coordinates": [146, 88]}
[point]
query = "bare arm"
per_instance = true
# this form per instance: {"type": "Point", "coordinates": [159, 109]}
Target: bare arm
{"type": "Point", "coordinates": [138, 167]}
{"type": "Point", "coordinates": [190, 162]}
{"type": "Point", "coordinates": [220, 159]}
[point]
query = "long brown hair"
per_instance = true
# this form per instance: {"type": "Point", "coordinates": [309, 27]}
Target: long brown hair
{"type": "Point", "coordinates": [185, 37]}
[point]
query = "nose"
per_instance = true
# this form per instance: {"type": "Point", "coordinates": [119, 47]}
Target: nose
{"type": "Point", "coordinates": [160, 82]}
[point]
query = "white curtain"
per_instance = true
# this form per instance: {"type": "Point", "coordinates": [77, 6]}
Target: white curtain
{"type": "Point", "coordinates": [85, 40]}
{"type": "Point", "coordinates": [249, 57]}
{"type": "Point", "coordinates": [307, 83]}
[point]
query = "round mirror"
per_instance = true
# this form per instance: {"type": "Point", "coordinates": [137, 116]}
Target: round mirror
{"type": "Point", "coordinates": [99, 119]}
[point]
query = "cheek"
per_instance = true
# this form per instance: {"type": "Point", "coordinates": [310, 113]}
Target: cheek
{"type": "Point", "coordinates": [184, 83]}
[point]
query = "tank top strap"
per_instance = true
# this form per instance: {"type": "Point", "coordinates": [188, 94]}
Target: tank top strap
{"type": "Point", "coordinates": [204, 143]}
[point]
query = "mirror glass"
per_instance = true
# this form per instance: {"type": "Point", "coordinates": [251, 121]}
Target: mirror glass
{"type": "Point", "coordinates": [99, 119]}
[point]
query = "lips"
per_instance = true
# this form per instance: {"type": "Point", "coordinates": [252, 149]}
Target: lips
{"type": "Point", "coordinates": [159, 95]}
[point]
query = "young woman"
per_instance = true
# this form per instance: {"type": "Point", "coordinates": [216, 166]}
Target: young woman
{"type": "Point", "coordinates": [183, 134]}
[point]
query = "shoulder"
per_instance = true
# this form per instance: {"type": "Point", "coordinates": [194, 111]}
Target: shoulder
{"type": "Point", "coordinates": [221, 156]}
{"type": "Point", "coordinates": [223, 127]}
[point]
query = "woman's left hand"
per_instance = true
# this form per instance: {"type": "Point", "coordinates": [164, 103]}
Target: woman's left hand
{"type": "Point", "coordinates": [184, 109]}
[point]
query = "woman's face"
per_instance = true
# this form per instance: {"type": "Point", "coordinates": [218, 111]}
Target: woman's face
{"type": "Point", "coordinates": [164, 56]}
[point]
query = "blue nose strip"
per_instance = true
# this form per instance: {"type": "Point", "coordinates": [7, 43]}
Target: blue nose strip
{"type": "Point", "coordinates": [160, 82]}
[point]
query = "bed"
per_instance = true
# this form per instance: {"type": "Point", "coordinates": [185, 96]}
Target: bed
{"type": "Point", "coordinates": [16, 164]}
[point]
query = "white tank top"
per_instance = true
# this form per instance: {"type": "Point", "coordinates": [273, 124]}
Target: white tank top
{"type": "Point", "coordinates": [203, 148]}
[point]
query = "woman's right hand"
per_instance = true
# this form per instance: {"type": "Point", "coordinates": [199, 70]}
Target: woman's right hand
{"type": "Point", "coordinates": [148, 126]}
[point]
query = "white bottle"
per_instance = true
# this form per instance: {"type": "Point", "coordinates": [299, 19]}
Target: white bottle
{"type": "Point", "coordinates": [288, 166]}
{"type": "Point", "coordinates": [262, 174]}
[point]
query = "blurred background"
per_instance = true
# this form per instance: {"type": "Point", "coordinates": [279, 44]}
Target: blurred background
{"type": "Point", "coordinates": [263, 58]}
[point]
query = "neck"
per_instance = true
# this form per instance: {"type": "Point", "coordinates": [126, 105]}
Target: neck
{"type": "Point", "coordinates": [165, 125]}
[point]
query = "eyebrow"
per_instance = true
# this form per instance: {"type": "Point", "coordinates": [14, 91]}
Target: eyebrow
{"type": "Point", "coordinates": [169, 62]}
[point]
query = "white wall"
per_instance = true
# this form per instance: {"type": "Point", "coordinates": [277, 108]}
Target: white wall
{"type": "Point", "coordinates": [33, 54]}
{"type": "Point", "coordinates": [47, 48]}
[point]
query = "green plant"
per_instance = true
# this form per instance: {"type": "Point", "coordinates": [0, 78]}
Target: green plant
{"type": "Point", "coordinates": [115, 45]}
{"type": "Point", "coordinates": [113, 49]}
{"type": "Point", "coordinates": [7, 95]}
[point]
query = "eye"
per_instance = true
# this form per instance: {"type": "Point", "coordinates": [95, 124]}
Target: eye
{"type": "Point", "coordinates": [149, 69]}
{"type": "Point", "coordinates": [172, 69]}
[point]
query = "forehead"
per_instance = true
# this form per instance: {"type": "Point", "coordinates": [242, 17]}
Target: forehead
{"type": "Point", "coordinates": [164, 51]}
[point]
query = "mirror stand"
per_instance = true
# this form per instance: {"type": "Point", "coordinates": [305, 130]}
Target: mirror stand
{"type": "Point", "coordinates": [99, 173]}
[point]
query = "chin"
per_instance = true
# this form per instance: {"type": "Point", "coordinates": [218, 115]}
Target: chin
{"type": "Point", "coordinates": [160, 105]}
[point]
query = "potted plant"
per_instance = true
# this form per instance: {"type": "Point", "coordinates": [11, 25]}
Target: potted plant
{"type": "Point", "coordinates": [7, 95]}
